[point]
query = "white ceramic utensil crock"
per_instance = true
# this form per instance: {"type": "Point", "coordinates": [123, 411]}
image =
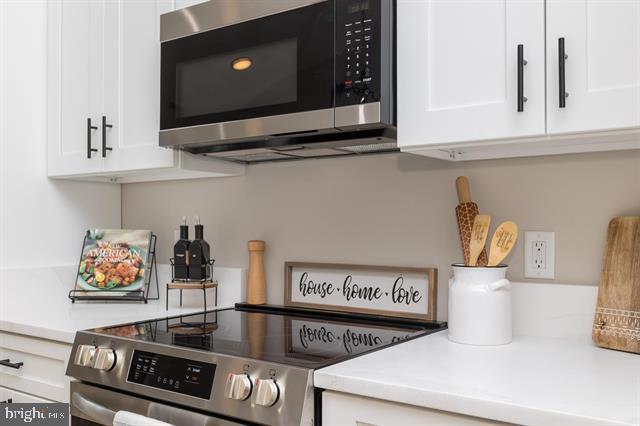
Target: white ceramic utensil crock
{"type": "Point", "coordinates": [480, 305]}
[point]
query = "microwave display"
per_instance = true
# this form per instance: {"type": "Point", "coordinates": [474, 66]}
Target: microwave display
{"type": "Point", "coordinates": [358, 7]}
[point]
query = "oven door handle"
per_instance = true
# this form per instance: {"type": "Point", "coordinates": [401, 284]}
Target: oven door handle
{"type": "Point", "coordinates": [95, 411]}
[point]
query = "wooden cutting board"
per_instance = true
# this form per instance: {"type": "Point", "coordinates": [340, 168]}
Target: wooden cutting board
{"type": "Point", "coordinates": [617, 321]}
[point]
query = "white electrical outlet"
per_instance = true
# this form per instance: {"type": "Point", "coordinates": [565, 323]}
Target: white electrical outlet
{"type": "Point", "coordinates": [539, 255]}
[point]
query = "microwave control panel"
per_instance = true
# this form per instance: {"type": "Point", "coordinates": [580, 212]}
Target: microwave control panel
{"type": "Point", "coordinates": [358, 51]}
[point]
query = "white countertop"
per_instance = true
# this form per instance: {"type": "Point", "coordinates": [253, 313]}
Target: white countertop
{"type": "Point", "coordinates": [34, 302]}
{"type": "Point", "coordinates": [550, 374]}
{"type": "Point", "coordinates": [533, 380]}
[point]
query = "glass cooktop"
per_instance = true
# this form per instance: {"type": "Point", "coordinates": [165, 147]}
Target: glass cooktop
{"type": "Point", "coordinates": [299, 337]}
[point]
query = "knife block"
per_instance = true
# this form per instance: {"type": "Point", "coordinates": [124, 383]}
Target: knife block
{"type": "Point", "coordinates": [617, 320]}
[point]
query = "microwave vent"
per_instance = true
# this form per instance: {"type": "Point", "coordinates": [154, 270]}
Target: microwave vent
{"type": "Point", "coordinates": [251, 158]}
{"type": "Point", "coordinates": [374, 147]}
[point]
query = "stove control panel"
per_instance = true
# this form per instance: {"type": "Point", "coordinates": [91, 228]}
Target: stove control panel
{"type": "Point", "coordinates": [267, 392]}
{"type": "Point", "coordinates": [238, 386]}
{"type": "Point", "coordinates": [173, 374]}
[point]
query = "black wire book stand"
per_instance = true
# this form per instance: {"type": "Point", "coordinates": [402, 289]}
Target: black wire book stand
{"type": "Point", "coordinates": [141, 295]}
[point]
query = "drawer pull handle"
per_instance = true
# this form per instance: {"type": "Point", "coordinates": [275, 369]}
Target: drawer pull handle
{"type": "Point", "coordinates": [8, 363]}
{"type": "Point", "coordinates": [105, 126]}
{"type": "Point", "coordinates": [90, 128]}
{"type": "Point", "coordinates": [562, 57]}
{"type": "Point", "coordinates": [521, 64]}
{"type": "Point", "coordinates": [7, 401]}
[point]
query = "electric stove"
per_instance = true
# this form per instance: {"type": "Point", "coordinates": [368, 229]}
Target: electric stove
{"type": "Point", "coordinates": [248, 364]}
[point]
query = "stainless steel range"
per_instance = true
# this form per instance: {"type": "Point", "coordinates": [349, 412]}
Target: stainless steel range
{"type": "Point", "coordinates": [251, 364]}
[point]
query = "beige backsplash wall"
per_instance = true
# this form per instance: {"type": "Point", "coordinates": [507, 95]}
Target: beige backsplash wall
{"type": "Point", "coordinates": [395, 209]}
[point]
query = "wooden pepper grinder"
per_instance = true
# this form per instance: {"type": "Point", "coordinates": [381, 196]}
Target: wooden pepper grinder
{"type": "Point", "coordinates": [256, 291]}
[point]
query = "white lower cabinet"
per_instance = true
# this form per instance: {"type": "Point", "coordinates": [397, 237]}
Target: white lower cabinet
{"type": "Point", "coordinates": [103, 84]}
{"type": "Point", "coordinates": [36, 367]}
{"type": "Point", "coordinates": [339, 409]}
{"type": "Point", "coordinates": [15, 397]}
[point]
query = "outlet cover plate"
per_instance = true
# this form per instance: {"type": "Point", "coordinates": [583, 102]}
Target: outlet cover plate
{"type": "Point", "coordinates": [539, 255]}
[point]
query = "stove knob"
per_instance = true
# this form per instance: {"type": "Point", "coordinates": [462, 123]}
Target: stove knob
{"type": "Point", "coordinates": [104, 359]}
{"type": "Point", "coordinates": [84, 355]}
{"type": "Point", "coordinates": [238, 387]}
{"type": "Point", "coordinates": [267, 392]}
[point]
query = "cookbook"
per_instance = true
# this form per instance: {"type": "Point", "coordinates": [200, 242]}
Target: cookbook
{"type": "Point", "coordinates": [114, 262]}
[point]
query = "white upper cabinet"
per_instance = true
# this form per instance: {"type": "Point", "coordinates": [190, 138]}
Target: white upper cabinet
{"type": "Point", "coordinates": [602, 65]}
{"type": "Point", "coordinates": [132, 64]}
{"type": "Point", "coordinates": [74, 72]}
{"type": "Point", "coordinates": [104, 65]}
{"type": "Point", "coordinates": [458, 70]}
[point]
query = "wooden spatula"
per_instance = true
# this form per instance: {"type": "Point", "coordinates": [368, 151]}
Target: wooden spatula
{"type": "Point", "coordinates": [479, 234]}
{"type": "Point", "coordinates": [502, 242]}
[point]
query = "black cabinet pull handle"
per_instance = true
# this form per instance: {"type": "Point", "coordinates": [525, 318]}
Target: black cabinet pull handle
{"type": "Point", "coordinates": [8, 401]}
{"type": "Point", "coordinates": [562, 90]}
{"type": "Point", "coordinates": [89, 129]}
{"type": "Point", "coordinates": [7, 363]}
{"type": "Point", "coordinates": [521, 63]}
{"type": "Point", "coordinates": [105, 126]}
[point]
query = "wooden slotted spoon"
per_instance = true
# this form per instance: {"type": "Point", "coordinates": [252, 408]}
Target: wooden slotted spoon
{"type": "Point", "coordinates": [502, 242]}
{"type": "Point", "coordinates": [479, 233]}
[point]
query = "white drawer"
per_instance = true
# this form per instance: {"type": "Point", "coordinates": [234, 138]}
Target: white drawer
{"type": "Point", "coordinates": [10, 395]}
{"type": "Point", "coordinates": [341, 409]}
{"type": "Point", "coordinates": [42, 372]}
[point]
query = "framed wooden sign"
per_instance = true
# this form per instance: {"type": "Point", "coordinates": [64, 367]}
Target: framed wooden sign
{"type": "Point", "coordinates": [380, 290]}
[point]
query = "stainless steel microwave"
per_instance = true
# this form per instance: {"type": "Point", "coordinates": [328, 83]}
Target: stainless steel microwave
{"type": "Point", "coordinates": [258, 80]}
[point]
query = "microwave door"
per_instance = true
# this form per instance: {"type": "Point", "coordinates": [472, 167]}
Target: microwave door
{"type": "Point", "coordinates": [264, 76]}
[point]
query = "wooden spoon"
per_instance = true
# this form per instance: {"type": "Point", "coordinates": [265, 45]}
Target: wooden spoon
{"type": "Point", "coordinates": [502, 242]}
{"type": "Point", "coordinates": [479, 233]}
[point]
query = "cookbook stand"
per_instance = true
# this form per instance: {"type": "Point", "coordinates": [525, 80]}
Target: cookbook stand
{"type": "Point", "coordinates": [141, 295]}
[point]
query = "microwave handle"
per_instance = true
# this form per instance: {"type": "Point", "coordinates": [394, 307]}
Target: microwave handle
{"type": "Point", "coordinates": [93, 410]}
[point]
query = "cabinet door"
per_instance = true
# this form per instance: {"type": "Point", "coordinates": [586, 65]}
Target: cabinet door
{"type": "Point", "coordinates": [132, 86]}
{"type": "Point", "coordinates": [15, 397]}
{"type": "Point", "coordinates": [458, 70]}
{"type": "Point", "coordinates": [339, 409]}
{"type": "Point", "coordinates": [74, 85]}
{"type": "Point", "coordinates": [602, 65]}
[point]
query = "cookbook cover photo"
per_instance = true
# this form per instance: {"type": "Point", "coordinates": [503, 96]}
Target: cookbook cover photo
{"type": "Point", "coordinates": [113, 262]}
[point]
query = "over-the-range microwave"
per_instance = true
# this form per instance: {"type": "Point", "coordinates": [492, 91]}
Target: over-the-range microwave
{"type": "Point", "coordinates": [262, 80]}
